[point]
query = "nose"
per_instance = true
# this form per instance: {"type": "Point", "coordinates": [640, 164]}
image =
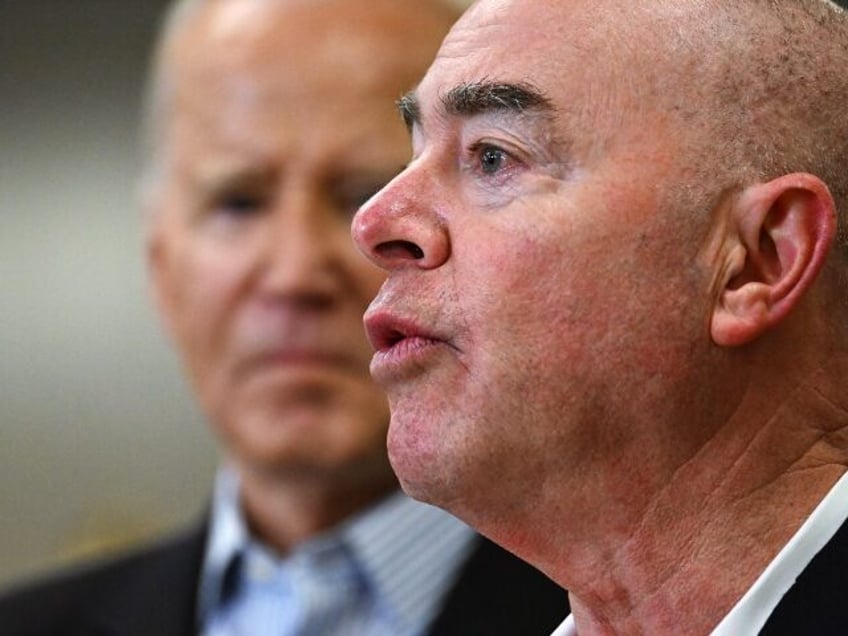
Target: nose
{"type": "Point", "coordinates": [304, 254]}
{"type": "Point", "coordinates": [401, 226]}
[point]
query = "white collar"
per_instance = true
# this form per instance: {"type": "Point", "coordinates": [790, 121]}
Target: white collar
{"type": "Point", "coordinates": [752, 611]}
{"type": "Point", "coordinates": [566, 628]}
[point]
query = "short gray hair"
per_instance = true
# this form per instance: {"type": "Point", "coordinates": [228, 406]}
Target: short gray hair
{"type": "Point", "coordinates": [156, 96]}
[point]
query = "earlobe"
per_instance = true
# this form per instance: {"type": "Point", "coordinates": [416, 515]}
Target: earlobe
{"type": "Point", "coordinates": [156, 261]}
{"type": "Point", "coordinates": [782, 232]}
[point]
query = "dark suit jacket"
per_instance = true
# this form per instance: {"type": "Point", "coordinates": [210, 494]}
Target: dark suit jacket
{"type": "Point", "coordinates": [817, 605]}
{"type": "Point", "coordinates": [153, 593]}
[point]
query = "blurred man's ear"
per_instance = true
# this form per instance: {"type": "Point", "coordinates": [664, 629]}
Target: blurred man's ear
{"type": "Point", "coordinates": [159, 280]}
{"type": "Point", "coordinates": [782, 232]}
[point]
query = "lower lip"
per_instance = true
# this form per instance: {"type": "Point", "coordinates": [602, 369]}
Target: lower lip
{"type": "Point", "coordinates": [403, 359]}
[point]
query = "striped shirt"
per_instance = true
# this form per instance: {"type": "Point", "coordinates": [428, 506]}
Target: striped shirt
{"type": "Point", "coordinates": [383, 572]}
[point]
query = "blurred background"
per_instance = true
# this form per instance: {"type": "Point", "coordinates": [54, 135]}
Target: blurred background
{"type": "Point", "coordinates": [100, 443]}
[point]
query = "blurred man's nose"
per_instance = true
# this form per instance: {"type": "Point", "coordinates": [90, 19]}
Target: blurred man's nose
{"type": "Point", "coordinates": [402, 227]}
{"type": "Point", "coordinates": [302, 249]}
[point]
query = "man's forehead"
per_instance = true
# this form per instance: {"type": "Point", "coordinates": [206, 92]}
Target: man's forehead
{"type": "Point", "coordinates": [490, 63]}
{"type": "Point", "coordinates": [516, 42]}
{"type": "Point", "coordinates": [295, 50]}
{"type": "Point", "coordinates": [287, 31]}
{"type": "Point", "coordinates": [596, 61]}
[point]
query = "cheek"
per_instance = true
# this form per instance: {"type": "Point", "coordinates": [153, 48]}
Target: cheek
{"type": "Point", "coordinates": [543, 304]}
{"type": "Point", "coordinates": [211, 281]}
{"type": "Point", "coordinates": [600, 319]}
{"type": "Point", "coordinates": [525, 292]}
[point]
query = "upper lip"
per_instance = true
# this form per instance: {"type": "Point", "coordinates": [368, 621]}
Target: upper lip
{"type": "Point", "coordinates": [385, 329]}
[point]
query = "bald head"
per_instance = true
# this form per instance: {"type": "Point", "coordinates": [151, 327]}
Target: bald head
{"type": "Point", "coordinates": [781, 91]}
{"type": "Point", "coordinates": [760, 84]}
{"type": "Point", "coordinates": [756, 89]}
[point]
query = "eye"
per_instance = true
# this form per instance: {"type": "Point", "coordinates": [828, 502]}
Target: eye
{"type": "Point", "coordinates": [239, 204]}
{"type": "Point", "coordinates": [350, 192]}
{"type": "Point", "coordinates": [492, 159]}
{"type": "Point", "coordinates": [350, 200]}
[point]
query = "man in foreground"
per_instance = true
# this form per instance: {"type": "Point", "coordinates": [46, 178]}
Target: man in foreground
{"type": "Point", "coordinates": [614, 333]}
{"type": "Point", "coordinates": [271, 122]}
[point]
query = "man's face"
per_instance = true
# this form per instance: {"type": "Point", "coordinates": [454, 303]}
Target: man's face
{"type": "Point", "coordinates": [280, 124]}
{"type": "Point", "coordinates": [538, 310]}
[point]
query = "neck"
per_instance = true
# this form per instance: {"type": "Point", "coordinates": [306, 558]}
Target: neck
{"type": "Point", "coordinates": [285, 511]}
{"type": "Point", "coordinates": [721, 517]}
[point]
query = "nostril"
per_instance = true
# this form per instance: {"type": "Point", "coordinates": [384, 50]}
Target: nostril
{"type": "Point", "coordinates": [393, 250]}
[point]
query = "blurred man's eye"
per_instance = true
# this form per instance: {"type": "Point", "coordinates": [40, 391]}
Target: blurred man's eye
{"type": "Point", "coordinates": [239, 204]}
{"type": "Point", "coordinates": [356, 200]}
{"type": "Point", "coordinates": [352, 191]}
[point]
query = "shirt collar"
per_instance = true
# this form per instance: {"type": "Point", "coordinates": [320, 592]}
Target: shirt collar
{"type": "Point", "coordinates": [228, 538]}
{"type": "Point", "coordinates": [566, 628]}
{"type": "Point", "coordinates": [409, 552]}
{"type": "Point", "coordinates": [757, 604]}
{"type": "Point", "coordinates": [752, 611]}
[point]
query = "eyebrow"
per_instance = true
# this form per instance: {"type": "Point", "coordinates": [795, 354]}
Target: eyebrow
{"type": "Point", "coordinates": [478, 98]}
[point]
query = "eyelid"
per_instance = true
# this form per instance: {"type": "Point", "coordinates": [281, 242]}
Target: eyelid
{"type": "Point", "coordinates": [514, 157]}
{"type": "Point", "coordinates": [497, 145]}
{"type": "Point", "coordinates": [479, 131]}
{"type": "Point", "coordinates": [236, 200]}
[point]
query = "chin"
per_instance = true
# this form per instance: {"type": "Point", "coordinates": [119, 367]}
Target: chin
{"type": "Point", "coordinates": [297, 462]}
{"type": "Point", "coordinates": [308, 442]}
{"type": "Point", "coordinates": [416, 462]}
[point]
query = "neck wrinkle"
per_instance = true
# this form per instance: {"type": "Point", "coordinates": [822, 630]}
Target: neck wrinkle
{"type": "Point", "coordinates": [724, 515]}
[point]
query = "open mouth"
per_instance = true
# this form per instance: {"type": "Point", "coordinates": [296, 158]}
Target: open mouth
{"type": "Point", "coordinates": [386, 331]}
{"type": "Point", "coordinates": [399, 344]}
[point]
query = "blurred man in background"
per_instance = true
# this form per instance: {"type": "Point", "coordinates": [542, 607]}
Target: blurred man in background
{"type": "Point", "coordinates": [271, 121]}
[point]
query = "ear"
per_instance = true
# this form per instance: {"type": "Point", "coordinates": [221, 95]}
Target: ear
{"type": "Point", "coordinates": [782, 231]}
{"type": "Point", "coordinates": [158, 268]}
